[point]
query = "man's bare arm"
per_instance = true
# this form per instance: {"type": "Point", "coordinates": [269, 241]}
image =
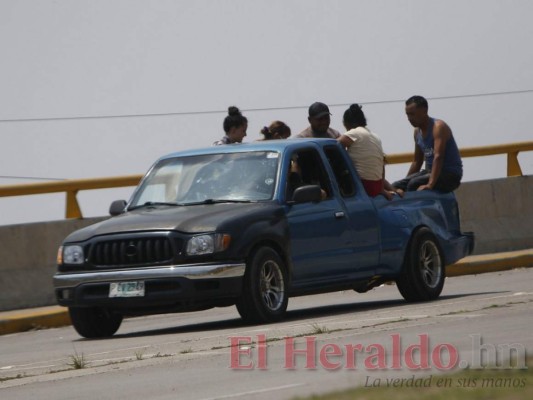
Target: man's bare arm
{"type": "Point", "coordinates": [416, 165]}
{"type": "Point", "coordinates": [441, 135]}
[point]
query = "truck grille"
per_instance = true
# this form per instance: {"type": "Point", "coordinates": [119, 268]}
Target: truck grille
{"type": "Point", "coordinates": [132, 251]}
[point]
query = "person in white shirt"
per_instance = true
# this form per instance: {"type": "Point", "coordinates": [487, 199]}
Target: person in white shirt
{"type": "Point", "coordinates": [366, 152]}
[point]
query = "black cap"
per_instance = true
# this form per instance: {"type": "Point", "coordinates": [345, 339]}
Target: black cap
{"type": "Point", "coordinates": [318, 109]}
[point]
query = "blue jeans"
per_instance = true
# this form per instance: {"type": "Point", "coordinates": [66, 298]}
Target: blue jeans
{"type": "Point", "coordinates": [447, 181]}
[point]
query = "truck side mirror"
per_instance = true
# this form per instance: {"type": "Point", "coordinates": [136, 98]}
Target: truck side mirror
{"type": "Point", "coordinates": [308, 193]}
{"type": "Point", "coordinates": [117, 207]}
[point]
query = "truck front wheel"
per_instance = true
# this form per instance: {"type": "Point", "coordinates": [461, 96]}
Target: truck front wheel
{"type": "Point", "coordinates": [94, 322]}
{"type": "Point", "coordinates": [423, 272]}
{"type": "Point", "coordinates": [264, 295]}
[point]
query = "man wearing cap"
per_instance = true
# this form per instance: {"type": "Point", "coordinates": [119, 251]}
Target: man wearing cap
{"type": "Point", "coordinates": [319, 120]}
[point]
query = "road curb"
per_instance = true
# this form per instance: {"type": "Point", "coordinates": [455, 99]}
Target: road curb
{"type": "Point", "coordinates": [33, 319]}
{"type": "Point", "coordinates": [56, 316]}
{"type": "Point", "coordinates": [496, 262]}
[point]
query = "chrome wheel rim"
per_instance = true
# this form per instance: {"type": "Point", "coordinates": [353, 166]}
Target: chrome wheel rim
{"type": "Point", "coordinates": [272, 285]}
{"type": "Point", "coordinates": [430, 264]}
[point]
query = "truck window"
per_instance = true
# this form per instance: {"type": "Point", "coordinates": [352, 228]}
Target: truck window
{"type": "Point", "coordinates": [340, 170]}
{"type": "Point", "coordinates": [240, 176]}
{"type": "Point", "coordinates": [307, 168]}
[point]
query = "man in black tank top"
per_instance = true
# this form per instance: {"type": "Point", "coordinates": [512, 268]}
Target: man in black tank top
{"type": "Point", "coordinates": [434, 144]}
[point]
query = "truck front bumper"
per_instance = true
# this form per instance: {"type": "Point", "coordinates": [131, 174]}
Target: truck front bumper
{"type": "Point", "coordinates": [175, 285]}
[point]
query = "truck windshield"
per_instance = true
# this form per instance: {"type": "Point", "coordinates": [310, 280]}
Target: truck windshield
{"type": "Point", "coordinates": [210, 178]}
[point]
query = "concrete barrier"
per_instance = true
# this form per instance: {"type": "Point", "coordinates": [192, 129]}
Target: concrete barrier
{"type": "Point", "coordinates": [499, 212]}
{"type": "Point", "coordinates": [28, 261]}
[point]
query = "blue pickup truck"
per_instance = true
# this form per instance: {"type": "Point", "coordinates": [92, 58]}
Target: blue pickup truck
{"type": "Point", "coordinates": [240, 225]}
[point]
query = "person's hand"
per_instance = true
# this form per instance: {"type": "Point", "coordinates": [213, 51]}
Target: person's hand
{"type": "Point", "coordinates": [399, 192]}
{"type": "Point", "coordinates": [424, 187]}
{"type": "Point", "coordinates": [388, 194]}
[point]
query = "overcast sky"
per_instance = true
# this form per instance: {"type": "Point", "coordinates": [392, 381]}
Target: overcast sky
{"type": "Point", "coordinates": [99, 88]}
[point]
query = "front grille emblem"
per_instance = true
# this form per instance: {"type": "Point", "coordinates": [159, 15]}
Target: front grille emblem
{"type": "Point", "coordinates": [131, 250]}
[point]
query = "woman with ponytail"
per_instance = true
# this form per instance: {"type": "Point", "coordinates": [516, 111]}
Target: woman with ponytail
{"type": "Point", "coordinates": [276, 130]}
{"type": "Point", "coordinates": [235, 125]}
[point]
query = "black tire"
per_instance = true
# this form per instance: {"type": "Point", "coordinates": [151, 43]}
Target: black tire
{"type": "Point", "coordinates": [94, 322]}
{"type": "Point", "coordinates": [423, 274]}
{"type": "Point", "coordinates": [264, 296]}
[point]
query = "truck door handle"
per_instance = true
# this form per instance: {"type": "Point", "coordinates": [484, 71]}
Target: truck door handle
{"type": "Point", "coordinates": [339, 214]}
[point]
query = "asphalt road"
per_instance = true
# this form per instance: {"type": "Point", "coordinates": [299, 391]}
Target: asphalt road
{"type": "Point", "coordinates": [359, 339]}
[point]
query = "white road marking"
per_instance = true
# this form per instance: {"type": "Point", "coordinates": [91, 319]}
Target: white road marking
{"type": "Point", "coordinates": [241, 394]}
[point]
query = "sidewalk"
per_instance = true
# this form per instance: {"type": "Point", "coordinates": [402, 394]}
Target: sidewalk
{"type": "Point", "coordinates": [55, 316]}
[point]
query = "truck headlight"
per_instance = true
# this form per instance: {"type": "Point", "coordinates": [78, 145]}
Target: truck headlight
{"type": "Point", "coordinates": [207, 244]}
{"type": "Point", "coordinates": [71, 255]}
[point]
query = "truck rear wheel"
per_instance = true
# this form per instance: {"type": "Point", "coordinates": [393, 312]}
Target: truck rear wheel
{"type": "Point", "coordinates": [94, 322]}
{"type": "Point", "coordinates": [423, 272]}
{"type": "Point", "coordinates": [264, 296]}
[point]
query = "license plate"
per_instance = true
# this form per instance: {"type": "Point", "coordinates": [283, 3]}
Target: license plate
{"type": "Point", "coordinates": [126, 289]}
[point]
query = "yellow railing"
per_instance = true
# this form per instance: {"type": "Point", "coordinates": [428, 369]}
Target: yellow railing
{"type": "Point", "coordinates": [511, 149]}
{"type": "Point", "coordinates": [73, 186]}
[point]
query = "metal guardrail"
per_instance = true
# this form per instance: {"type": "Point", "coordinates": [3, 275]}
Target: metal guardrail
{"type": "Point", "coordinates": [72, 186]}
{"type": "Point", "coordinates": [511, 149]}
